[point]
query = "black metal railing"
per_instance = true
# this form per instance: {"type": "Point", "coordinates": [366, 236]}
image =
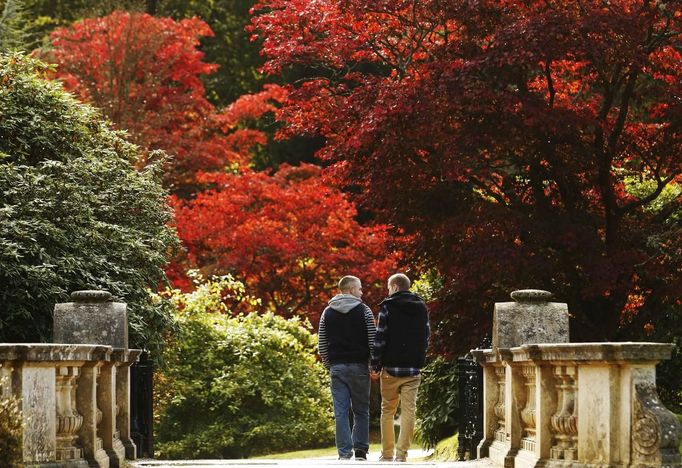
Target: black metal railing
{"type": "Point", "coordinates": [141, 406]}
{"type": "Point", "coordinates": [470, 425]}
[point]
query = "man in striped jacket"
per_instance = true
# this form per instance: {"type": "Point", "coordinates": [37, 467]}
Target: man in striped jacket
{"type": "Point", "coordinates": [346, 336]}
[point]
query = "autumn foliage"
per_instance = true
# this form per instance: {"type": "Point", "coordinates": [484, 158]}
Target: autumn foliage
{"type": "Point", "coordinates": [289, 235]}
{"type": "Point", "coordinates": [519, 144]}
{"type": "Point", "coordinates": [145, 74]}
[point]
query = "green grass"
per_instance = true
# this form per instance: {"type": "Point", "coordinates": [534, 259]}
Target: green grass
{"type": "Point", "coordinates": [445, 451]}
{"type": "Point", "coordinates": [327, 452]}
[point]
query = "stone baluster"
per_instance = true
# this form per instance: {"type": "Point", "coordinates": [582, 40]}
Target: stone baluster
{"type": "Point", "coordinates": [490, 399]}
{"type": "Point", "coordinates": [87, 400]}
{"type": "Point", "coordinates": [106, 398]}
{"type": "Point", "coordinates": [528, 412]}
{"type": "Point", "coordinates": [123, 401]}
{"type": "Point", "coordinates": [500, 431]}
{"type": "Point", "coordinates": [69, 421]}
{"type": "Point", "coordinates": [565, 421]}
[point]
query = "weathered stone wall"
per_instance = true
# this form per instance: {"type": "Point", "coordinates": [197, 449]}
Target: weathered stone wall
{"type": "Point", "coordinates": [560, 404]}
{"type": "Point", "coordinates": [75, 395]}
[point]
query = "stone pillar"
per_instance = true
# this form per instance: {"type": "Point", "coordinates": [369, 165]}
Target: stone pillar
{"type": "Point", "coordinates": [540, 406]}
{"type": "Point", "coordinates": [91, 318]}
{"type": "Point", "coordinates": [106, 401]}
{"type": "Point", "coordinates": [123, 400]}
{"type": "Point", "coordinates": [36, 389]}
{"type": "Point", "coordinates": [500, 448]}
{"type": "Point", "coordinates": [564, 423]}
{"type": "Point", "coordinates": [490, 400]}
{"type": "Point", "coordinates": [86, 398]}
{"type": "Point", "coordinates": [546, 403]}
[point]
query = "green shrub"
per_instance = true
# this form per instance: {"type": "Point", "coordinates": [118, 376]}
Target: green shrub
{"type": "Point", "coordinates": [10, 429]}
{"type": "Point", "coordinates": [74, 211]}
{"type": "Point", "coordinates": [239, 386]}
{"type": "Point", "coordinates": [437, 403]}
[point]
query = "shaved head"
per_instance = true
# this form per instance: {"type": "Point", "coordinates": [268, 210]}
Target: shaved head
{"type": "Point", "coordinates": [348, 282]}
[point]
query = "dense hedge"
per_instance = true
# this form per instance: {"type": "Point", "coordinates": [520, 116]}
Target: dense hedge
{"type": "Point", "coordinates": [74, 211]}
{"type": "Point", "coordinates": [438, 402]}
{"type": "Point", "coordinates": [239, 386]}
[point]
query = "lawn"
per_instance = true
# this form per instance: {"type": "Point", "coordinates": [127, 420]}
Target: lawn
{"type": "Point", "coordinates": [446, 450]}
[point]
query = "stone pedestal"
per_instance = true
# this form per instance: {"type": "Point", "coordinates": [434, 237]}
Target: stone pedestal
{"type": "Point", "coordinates": [91, 318]}
{"type": "Point", "coordinates": [531, 318]}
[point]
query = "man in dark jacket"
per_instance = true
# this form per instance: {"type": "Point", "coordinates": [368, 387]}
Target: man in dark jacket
{"type": "Point", "coordinates": [399, 352]}
{"type": "Point", "coordinates": [345, 338]}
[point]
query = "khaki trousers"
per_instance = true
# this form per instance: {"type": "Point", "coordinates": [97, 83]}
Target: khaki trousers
{"type": "Point", "coordinates": [396, 390]}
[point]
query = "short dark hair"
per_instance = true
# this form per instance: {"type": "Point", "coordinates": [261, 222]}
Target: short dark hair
{"type": "Point", "coordinates": [347, 282]}
{"type": "Point", "coordinates": [401, 281]}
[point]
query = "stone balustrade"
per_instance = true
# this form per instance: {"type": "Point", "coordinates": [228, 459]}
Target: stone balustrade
{"type": "Point", "coordinates": [74, 402]}
{"type": "Point", "coordinates": [561, 404]}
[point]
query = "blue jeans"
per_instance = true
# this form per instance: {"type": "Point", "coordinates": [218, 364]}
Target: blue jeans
{"type": "Point", "coordinates": [350, 391]}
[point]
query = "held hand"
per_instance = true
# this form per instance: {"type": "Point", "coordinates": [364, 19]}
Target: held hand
{"type": "Point", "coordinates": [374, 375]}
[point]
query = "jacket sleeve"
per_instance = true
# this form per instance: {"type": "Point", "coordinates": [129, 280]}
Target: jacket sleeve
{"type": "Point", "coordinates": [322, 344]}
{"type": "Point", "coordinates": [427, 330]}
{"type": "Point", "coordinates": [379, 340]}
{"type": "Point", "coordinates": [371, 327]}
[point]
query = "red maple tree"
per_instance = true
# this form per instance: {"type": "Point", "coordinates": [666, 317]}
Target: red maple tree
{"type": "Point", "coordinates": [519, 143]}
{"type": "Point", "coordinates": [145, 74]}
{"type": "Point", "coordinates": [289, 236]}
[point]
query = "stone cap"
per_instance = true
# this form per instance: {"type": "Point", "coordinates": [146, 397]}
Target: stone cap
{"type": "Point", "coordinates": [606, 352]}
{"type": "Point", "coordinates": [531, 295]}
{"type": "Point", "coordinates": [578, 352]}
{"type": "Point", "coordinates": [126, 356]}
{"type": "Point", "coordinates": [91, 296]}
{"type": "Point", "coordinates": [92, 317]}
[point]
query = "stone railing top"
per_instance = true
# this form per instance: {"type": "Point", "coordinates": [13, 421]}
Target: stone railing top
{"type": "Point", "coordinates": [65, 352]}
{"type": "Point", "coordinates": [575, 352]}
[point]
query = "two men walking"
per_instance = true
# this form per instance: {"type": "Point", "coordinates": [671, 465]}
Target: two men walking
{"type": "Point", "coordinates": [397, 346]}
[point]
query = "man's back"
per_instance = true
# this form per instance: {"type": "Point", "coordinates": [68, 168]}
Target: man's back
{"type": "Point", "coordinates": [346, 333]}
{"type": "Point", "coordinates": [407, 330]}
